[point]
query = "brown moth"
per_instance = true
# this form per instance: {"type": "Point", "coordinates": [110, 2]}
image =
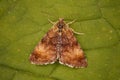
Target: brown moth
{"type": "Point", "coordinates": [60, 44]}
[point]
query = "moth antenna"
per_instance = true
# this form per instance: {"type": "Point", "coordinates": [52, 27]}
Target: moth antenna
{"type": "Point", "coordinates": [51, 21]}
{"type": "Point", "coordinates": [76, 32]}
{"type": "Point", "coordinates": [71, 22]}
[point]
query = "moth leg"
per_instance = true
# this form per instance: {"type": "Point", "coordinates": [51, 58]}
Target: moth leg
{"type": "Point", "coordinates": [51, 21]}
{"type": "Point", "coordinates": [71, 22]}
{"type": "Point", "coordinates": [76, 32]}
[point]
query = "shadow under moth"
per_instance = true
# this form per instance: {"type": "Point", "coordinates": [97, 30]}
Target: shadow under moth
{"type": "Point", "coordinates": [59, 43]}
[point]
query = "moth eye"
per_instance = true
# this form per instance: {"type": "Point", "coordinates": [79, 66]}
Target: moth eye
{"type": "Point", "coordinates": [60, 26]}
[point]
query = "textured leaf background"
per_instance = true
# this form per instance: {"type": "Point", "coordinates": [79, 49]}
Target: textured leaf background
{"type": "Point", "coordinates": [24, 22]}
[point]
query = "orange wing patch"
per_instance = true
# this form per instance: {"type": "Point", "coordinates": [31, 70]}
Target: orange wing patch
{"type": "Point", "coordinates": [72, 55]}
{"type": "Point", "coordinates": [45, 51]}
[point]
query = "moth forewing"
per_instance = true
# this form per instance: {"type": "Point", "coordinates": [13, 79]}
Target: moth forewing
{"type": "Point", "coordinates": [59, 44]}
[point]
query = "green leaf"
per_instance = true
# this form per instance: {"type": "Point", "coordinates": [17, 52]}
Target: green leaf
{"type": "Point", "coordinates": [24, 22]}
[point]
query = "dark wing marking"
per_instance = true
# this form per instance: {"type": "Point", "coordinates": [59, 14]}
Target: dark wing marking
{"type": "Point", "coordinates": [72, 55]}
{"type": "Point", "coordinates": [45, 51]}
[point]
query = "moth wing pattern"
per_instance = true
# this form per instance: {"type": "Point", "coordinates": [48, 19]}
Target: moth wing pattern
{"type": "Point", "coordinates": [72, 55]}
{"type": "Point", "coordinates": [44, 52]}
{"type": "Point", "coordinates": [59, 43]}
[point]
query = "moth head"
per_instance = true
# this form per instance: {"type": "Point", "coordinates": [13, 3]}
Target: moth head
{"type": "Point", "coordinates": [60, 24]}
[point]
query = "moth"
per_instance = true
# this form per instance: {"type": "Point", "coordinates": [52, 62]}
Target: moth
{"type": "Point", "coordinates": [59, 43]}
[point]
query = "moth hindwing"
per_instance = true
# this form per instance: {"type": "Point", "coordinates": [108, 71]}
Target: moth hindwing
{"type": "Point", "coordinates": [60, 44]}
